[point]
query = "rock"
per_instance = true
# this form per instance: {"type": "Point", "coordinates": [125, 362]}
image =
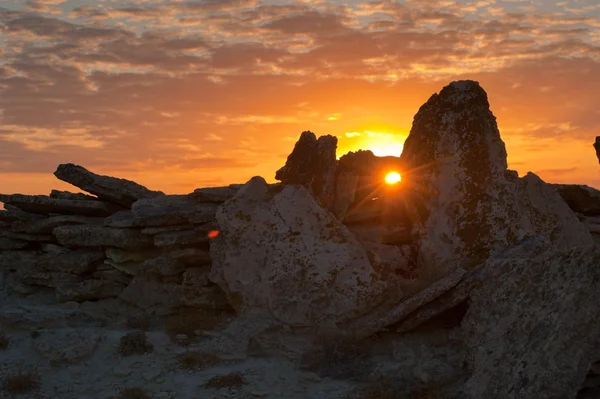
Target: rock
{"type": "Point", "coordinates": [26, 237]}
{"type": "Point", "coordinates": [47, 225]}
{"type": "Point", "coordinates": [201, 296]}
{"type": "Point", "coordinates": [192, 256]}
{"type": "Point", "coordinates": [580, 198]}
{"type": "Point", "coordinates": [11, 215]}
{"type": "Point", "coordinates": [118, 191]}
{"type": "Point", "coordinates": [532, 328]}
{"type": "Point", "coordinates": [54, 249]}
{"type": "Point", "coordinates": [18, 260]}
{"type": "Point", "coordinates": [88, 290]}
{"type": "Point", "coordinates": [166, 229]}
{"type": "Point", "coordinates": [66, 345]}
{"type": "Point", "coordinates": [11, 243]}
{"type": "Point", "coordinates": [163, 265]}
{"type": "Point", "coordinates": [346, 184]}
{"type": "Point", "coordinates": [77, 262]}
{"type": "Point", "coordinates": [147, 291]}
{"type": "Point", "coordinates": [119, 255]}
{"type": "Point", "coordinates": [215, 194]}
{"type": "Point", "coordinates": [174, 238]}
{"type": "Point", "coordinates": [196, 276]}
{"type": "Point", "coordinates": [95, 236]}
{"type": "Point", "coordinates": [14, 284]}
{"type": "Point", "coordinates": [312, 164]}
{"type": "Point", "coordinates": [47, 278]}
{"type": "Point", "coordinates": [168, 210]}
{"type": "Point", "coordinates": [112, 275]}
{"type": "Point", "coordinates": [43, 204]}
{"type": "Point", "coordinates": [71, 196]}
{"type": "Point", "coordinates": [283, 254]}
{"type": "Point", "coordinates": [131, 268]}
{"type": "Point", "coordinates": [597, 148]}
{"type": "Point", "coordinates": [463, 202]}
{"type": "Point", "coordinates": [389, 259]}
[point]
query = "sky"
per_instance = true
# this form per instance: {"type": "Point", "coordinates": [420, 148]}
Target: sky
{"type": "Point", "coordinates": [178, 94]}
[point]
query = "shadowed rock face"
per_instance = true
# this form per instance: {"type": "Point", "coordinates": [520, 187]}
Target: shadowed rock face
{"type": "Point", "coordinates": [312, 164]}
{"type": "Point", "coordinates": [597, 147]}
{"type": "Point", "coordinates": [463, 201]}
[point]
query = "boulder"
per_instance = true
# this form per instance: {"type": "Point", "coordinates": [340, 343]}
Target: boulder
{"type": "Point", "coordinates": [42, 204]}
{"type": "Point", "coordinates": [312, 164]}
{"type": "Point", "coordinates": [47, 225]}
{"type": "Point", "coordinates": [88, 290]}
{"type": "Point", "coordinates": [532, 327]}
{"type": "Point", "coordinates": [463, 202]}
{"type": "Point", "coordinates": [215, 194]}
{"type": "Point", "coordinates": [580, 198]}
{"type": "Point", "coordinates": [284, 255]}
{"type": "Point", "coordinates": [117, 191]}
{"type": "Point", "coordinates": [96, 236]}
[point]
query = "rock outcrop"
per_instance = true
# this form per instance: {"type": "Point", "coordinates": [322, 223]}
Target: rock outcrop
{"type": "Point", "coordinates": [597, 147]}
{"type": "Point", "coordinates": [463, 202]}
{"type": "Point", "coordinates": [312, 164]}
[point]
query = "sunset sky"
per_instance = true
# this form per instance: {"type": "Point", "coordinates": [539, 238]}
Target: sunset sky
{"type": "Point", "coordinates": [183, 94]}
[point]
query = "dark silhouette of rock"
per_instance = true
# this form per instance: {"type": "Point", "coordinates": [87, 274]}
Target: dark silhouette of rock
{"type": "Point", "coordinates": [42, 204]}
{"type": "Point", "coordinates": [118, 191]}
{"type": "Point", "coordinates": [312, 164]}
{"type": "Point", "coordinates": [597, 147]}
{"type": "Point", "coordinates": [580, 198]}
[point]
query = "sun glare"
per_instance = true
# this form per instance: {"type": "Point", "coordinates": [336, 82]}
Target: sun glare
{"type": "Point", "coordinates": [393, 178]}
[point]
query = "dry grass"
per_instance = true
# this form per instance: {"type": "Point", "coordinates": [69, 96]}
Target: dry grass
{"type": "Point", "coordinates": [133, 393]}
{"type": "Point", "coordinates": [339, 359]}
{"type": "Point", "coordinates": [196, 360]}
{"type": "Point", "coordinates": [188, 320]}
{"type": "Point", "coordinates": [21, 382]}
{"type": "Point", "coordinates": [134, 343]}
{"type": "Point", "coordinates": [4, 341]}
{"type": "Point", "coordinates": [231, 380]}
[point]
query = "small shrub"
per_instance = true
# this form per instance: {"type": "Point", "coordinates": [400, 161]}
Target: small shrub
{"type": "Point", "coordinates": [21, 382]}
{"type": "Point", "coordinates": [339, 359]}
{"type": "Point", "coordinates": [134, 343]}
{"type": "Point", "coordinates": [231, 380]}
{"type": "Point", "coordinates": [4, 341]}
{"type": "Point", "coordinates": [133, 393]}
{"type": "Point", "coordinates": [196, 360]}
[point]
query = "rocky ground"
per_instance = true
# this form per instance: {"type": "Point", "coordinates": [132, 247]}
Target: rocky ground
{"type": "Point", "coordinates": [464, 281]}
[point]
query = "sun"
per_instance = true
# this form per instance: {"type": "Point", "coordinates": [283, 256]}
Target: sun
{"type": "Point", "coordinates": [393, 178]}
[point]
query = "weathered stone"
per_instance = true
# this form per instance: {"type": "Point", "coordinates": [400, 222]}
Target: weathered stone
{"type": "Point", "coordinates": [388, 259]}
{"type": "Point", "coordinates": [215, 194]}
{"type": "Point", "coordinates": [462, 200]}
{"type": "Point", "coordinates": [191, 256]}
{"type": "Point", "coordinates": [12, 215]}
{"type": "Point", "coordinates": [283, 254]}
{"type": "Point", "coordinates": [184, 237]}
{"type": "Point", "coordinates": [47, 225]}
{"type": "Point", "coordinates": [312, 164]}
{"type": "Point", "coordinates": [88, 290]}
{"type": "Point", "coordinates": [166, 210]}
{"type": "Point", "coordinates": [71, 196]}
{"type": "Point", "coordinates": [580, 198]}
{"type": "Point", "coordinates": [532, 328]}
{"type": "Point", "coordinates": [196, 276]}
{"type": "Point", "coordinates": [119, 255]}
{"type": "Point", "coordinates": [95, 236]}
{"type": "Point", "coordinates": [47, 278]}
{"type": "Point", "coordinates": [77, 262]}
{"type": "Point", "coordinates": [597, 147]}
{"type": "Point", "coordinates": [131, 268]}
{"type": "Point", "coordinates": [118, 191]}
{"type": "Point", "coordinates": [346, 184]}
{"type": "Point", "coordinates": [17, 260]}
{"type": "Point", "coordinates": [69, 346]}
{"type": "Point", "coordinates": [166, 229]}
{"type": "Point", "coordinates": [43, 204]}
{"type": "Point", "coordinates": [14, 284]}
{"type": "Point", "coordinates": [54, 249]}
{"type": "Point", "coordinates": [11, 243]}
{"type": "Point", "coordinates": [112, 275]}
{"type": "Point", "coordinates": [163, 265]}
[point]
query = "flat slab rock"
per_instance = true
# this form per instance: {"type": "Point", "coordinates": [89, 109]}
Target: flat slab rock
{"type": "Point", "coordinates": [95, 236]}
{"type": "Point", "coordinates": [215, 194]}
{"type": "Point", "coordinates": [532, 328]}
{"type": "Point", "coordinates": [47, 225]}
{"type": "Point", "coordinates": [42, 204]}
{"type": "Point", "coordinates": [115, 190]}
{"type": "Point", "coordinates": [284, 254]}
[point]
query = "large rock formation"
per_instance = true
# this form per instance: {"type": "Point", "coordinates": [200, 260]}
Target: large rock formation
{"type": "Point", "coordinates": [312, 164]}
{"type": "Point", "coordinates": [281, 253]}
{"type": "Point", "coordinates": [597, 147]}
{"type": "Point", "coordinates": [462, 200]}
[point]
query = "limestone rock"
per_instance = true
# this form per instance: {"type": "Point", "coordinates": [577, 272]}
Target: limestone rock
{"type": "Point", "coordinates": [95, 236]}
{"type": "Point", "coordinates": [183, 237]}
{"type": "Point", "coordinates": [88, 290]}
{"type": "Point", "coordinates": [46, 225]}
{"type": "Point", "coordinates": [50, 279]}
{"type": "Point", "coordinates": [18, 260]}
{"type": "Point", "coordinates": [66, 345]}
{"type": "Point", "coordinates": [163, 265]}
{"type": "Point", "coordinates": [12, 215]}
{"type": "Point", "coordinates": [120, 255]}
{"type": "Point", "coordinates": [71, 196]}
{"type": "Point", "coordinates": [532, 328]}
{"type": "Point", "coordinates": [580, 198]}
{"type": "Point", "coordinates": [166, 229]}
{"type": "Point", "coordinates": [131, 268]}
{"type": "Point", "coordinates": [312, 164]}
{"type": "Point", "coordinates": [284, 254]}
{"type": "Point", "coordinates": [77, 262]}
{"type": "Point", "coordinates": [113, 275]}
{"type": "Point", "coordinates": [11, 243]}
{"type": "Point", "coordinates": [346, 184]}
{"type": "Point", "coordinates": [43, 204]}
{"type": "Point", "coordinates": [463, 202]}
{"type": "Point", "coordinates": [215, 194]}
{"type": "Point", "coordinates": [118, 191]}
